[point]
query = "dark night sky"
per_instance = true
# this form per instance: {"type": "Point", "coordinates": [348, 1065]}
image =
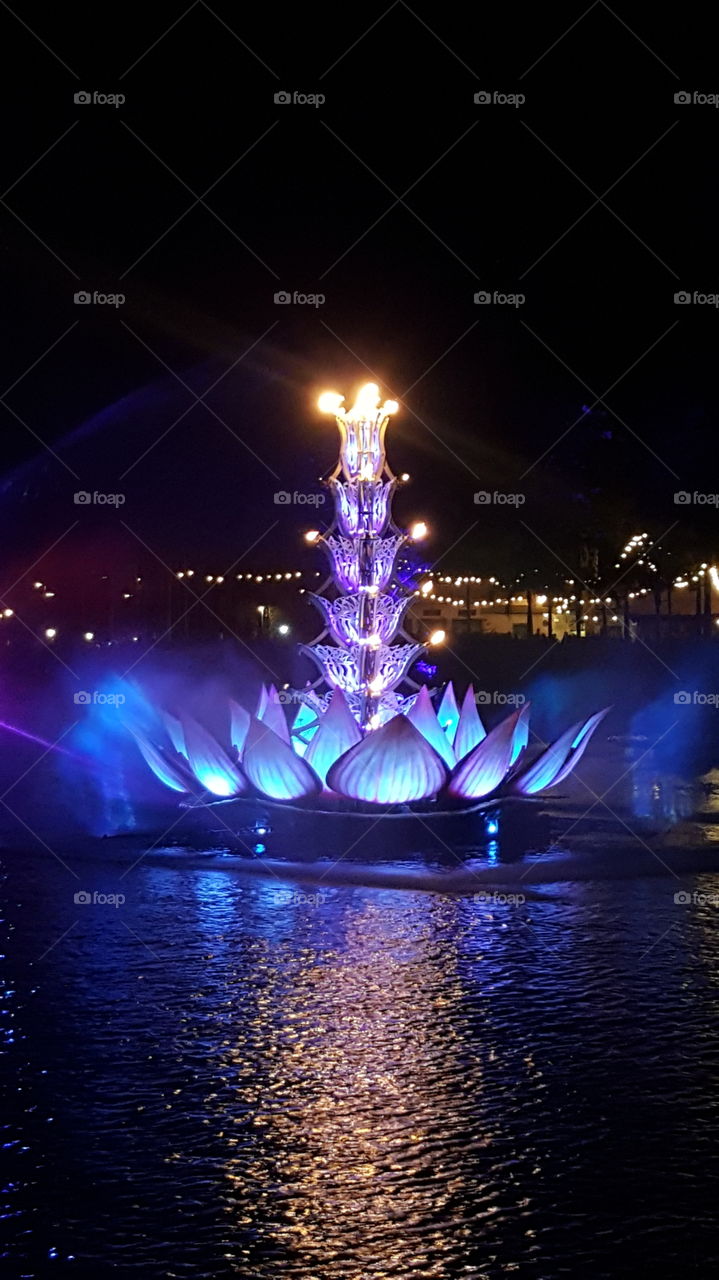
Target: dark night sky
{"type": "Point", "coordinates": [313, 199]}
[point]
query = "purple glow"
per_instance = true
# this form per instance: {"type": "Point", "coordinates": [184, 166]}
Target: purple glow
{"type": "Point", "coordinates": [32, 737]}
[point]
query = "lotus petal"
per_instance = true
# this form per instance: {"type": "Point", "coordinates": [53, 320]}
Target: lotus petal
{"type": "Point", "coordinates": [239, 724]}
{"type": "Point", "coordinates": [581, 742]}
{"type": "Point", "coordinates": [448, 713]}
{"type": "Point", "coordinates": [521, 736]}
{"type": "Point", "coordinates": [274, 768]}
{"type": "Point", "coordinates": [174, 732]}
{"type": "Point", "coordinates": [553, 765]}
{"type": "Point", "coordinates": [274, 716]}
{"type": "Point", "coordinates": [392, 765]}
{"type": "Point", "coordinates": [261, 702]}
{"type": "Point", "coordinates": [487, 764]}
{"type": "Point", "coordinates": [338, 732]}
{"type": "Point", "coordinates": [171, 774]}
{"type": "Point", "coordinates": [304, 727]}
{"type": "Point", "coordinates": [470, 729]}
{"type": "Point", "coordinates": [424, 717]}
{"type": "Point", "coordinates": [210, 764]}
{"type": "Point", "coordinates": [545, 769]}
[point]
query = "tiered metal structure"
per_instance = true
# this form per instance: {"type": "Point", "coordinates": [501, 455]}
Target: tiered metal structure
{"type": "Point", "coordinates": [364, 614]}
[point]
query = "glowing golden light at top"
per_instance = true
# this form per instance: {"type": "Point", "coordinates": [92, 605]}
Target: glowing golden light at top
{"type": "Point", "coordinates": [330, 402]}
{"type": "Point", "coordinates": [366, 405]}
{"type": "Point", "coordinates": [418, 531]}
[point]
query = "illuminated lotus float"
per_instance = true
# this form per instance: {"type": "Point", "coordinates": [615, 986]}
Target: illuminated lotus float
{"type": "Point", "coordinates": [353, 742]}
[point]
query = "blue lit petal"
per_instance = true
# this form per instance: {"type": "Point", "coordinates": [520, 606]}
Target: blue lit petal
{"type": "Point", "coordinates": [581, 743]}
{"type": "Point", "coordinates": [174, 732]}
{"type": "Point", "coordinates": [239, 724]}
{"type": "Point", "coordinates": [521, 733]}
{"type": "Point", "coordinates": [209, 763]}
{"type": "Point", "coordinates": [424, 717]}
{"type": "Point", "coordinates": [470, 729]}
{"type": "Point", "coordinates": [168, 772]}
{"type": "Point", "coordinates": [448, 713]}
{"type": "Point", "coordinates": [338, 732]}
{"type": "Point", "coordinates": [546, 768]}
{"type": "Point", "coordinates": [304, 727]}
{"type": "Point", "coordinates": [554, 764]}
{"type": "Point", "coordinates": [274, 768]}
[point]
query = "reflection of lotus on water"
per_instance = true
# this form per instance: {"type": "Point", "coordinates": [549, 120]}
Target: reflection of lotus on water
{"type": "Point", "coordinates": [353, 736]}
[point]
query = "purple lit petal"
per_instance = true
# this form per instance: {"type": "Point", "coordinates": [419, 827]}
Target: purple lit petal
{"type": "Point", "coordinates": [392, 765]}
{"type": "Point", "coordinates": [486, 765]}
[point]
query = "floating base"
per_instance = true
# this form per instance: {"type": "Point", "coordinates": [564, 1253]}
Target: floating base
{"type": "Point", "coordinates": [512, 826]}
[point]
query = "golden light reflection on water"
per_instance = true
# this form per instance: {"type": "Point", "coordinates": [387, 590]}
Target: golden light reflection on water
{"type": "Point", "coordinates": [365, 1104]}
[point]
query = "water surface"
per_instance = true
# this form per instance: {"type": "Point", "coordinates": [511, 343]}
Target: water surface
{"type": "Point", "coordinates": [226, 1076]}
